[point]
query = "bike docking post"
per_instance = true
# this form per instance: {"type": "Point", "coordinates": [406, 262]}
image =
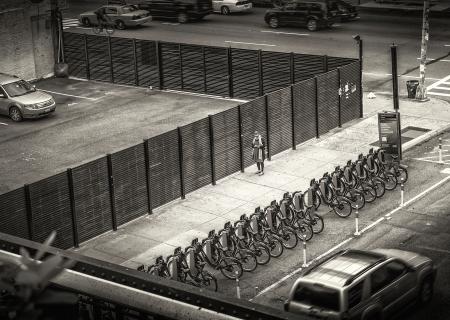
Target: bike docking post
{"type": "Point", "coordinates": [402, 191]}
{"type": "Point", "coordinates": [357, 233]}
{"type": "Point", "coordinates": [304, 265]}
{"type": "Point", "coordinates": [238, 288]}
{"type": "Point", "coordinates": [440, 152]}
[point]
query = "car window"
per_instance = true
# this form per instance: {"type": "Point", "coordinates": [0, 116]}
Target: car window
{"type": "Point", "coordinates": [355, 294]}
{"type": "Point", "coordinates": [110, 10]}
{"type": "Point", "coordinates": [386, 275]}
{"type": "Point", "coordinates": [127, 9]}
{"type": "Point", "coordinates": [18, 88]}
{"type": "Point", "coordinates": [318, 296]}
{"type": "Point", "coordinates": [2, 93]}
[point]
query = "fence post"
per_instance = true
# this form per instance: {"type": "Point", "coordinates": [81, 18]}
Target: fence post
{"type": "Point", "coordinates": [111, 68]}
{"type": "Point", "coordinates": [361, 111]}
{"type": "Point", "coordinates": [29, 210]}
{"type": "Point", "coordinates": [325, 63]}
{"type": "Point", "coordinates": [73, 211]}
{"type": "Point", "coordinates": [260, 73]}
{"type": "Point", "coordinates": [159, 65]}
{"type": "Point", "coordinates": [230, 73]}
{"type": "Point", "coordinates": [266, 104]}
{"type": "Point", "coordinates": [339, 98]}
{"type": "Point", "coordinates": [136, 73]}
{"type": "Point", "coordinates": [292, 67]}
{"type": "Point", "coordinates": [147, 175]}
{"type": "Point", "coordinates": [181, 163]}
{"type": "Point", "coordinates": [441, 161]}
{"type": "Point", "coordinates": [86, 56]}
{"type": "Point", "coordinates": [180, 52]}
{"type": "Point", "coordinates": [241, 147]}
{"type": "Point", "coordinates": [112, 192]}
{"type": "Point", "coordinates": [211, 151]}
{"type": "Point", "coordinates": [205, 83]}
{"type": "Point", "coordinates": [317, 106]}
{"type": "Point", "coordinates": [294, 143]}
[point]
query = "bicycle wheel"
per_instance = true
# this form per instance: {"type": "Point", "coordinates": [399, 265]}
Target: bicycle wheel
{"type": "Point", "coordinates": [275, 246]}
{"type": "Point", "coordinates": [357, 199]}
{"type": "Point", "coordinates": [318, 201]}
{"type": "Point", "coordinates": [343, 208]}
{"type": "Point", "coordinates": [97, 29]}
{"type": "Point", "coordinates": [390, 181]}
{"type": "Point", "coordinates": [208, 281]}
{"type": "Point", "coordinates": [317, 223]}
{"type": "Point", "coordinates": [231, 268]}
{"type": "Point", "coordinates": [262, 254]}
{"type": "Point", "coordinates": [369, 194]}
{"type": "Point", "coordinates": [303, 231]}
{"type": "Point", "coordinates": [402, 173]}
{"type": "Point", "coordinates": [288, 237]}
{"type": "Point", "coordinates": [247, 259]}
{"type": "Point", "coordinates": [109, 29]}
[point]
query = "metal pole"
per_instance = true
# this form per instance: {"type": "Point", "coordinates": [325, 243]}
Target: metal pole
{"type": "Point", "coordinates": [86, 56]}
{"type": "Point", "coordinates": [180, 52]}
{"type": "Point", "coordinates": [441, 161]}
{"type": "Point", "coordinates": [266, 103]}
{"type": "Point", "coordinates": [29, 210]}
{"type": "Point", "coordinates": [292, 67]}
{"type": "Point", "coordinates": [357, 233]}
{"type": "Point", "coordinates": [241, 147]}
{"type": "Point", "coordinates": [238, 288]}
{"type": "Point", "coordinates": [147, 175]}
{"type": "Point", "coordinates": [135, 61]}
{"type": "Point", "coordinates": [339, 97]}
{"type": "Point", "coordinates": [211, 151]}
{"type": "Point", "coordinates": [317, 106]}
{"type": "Point", "coordinates": [73, 211]}
{"type": "Point", "coordinates": [304, 265]}
{"type": "Point", "coordinates": [205, 82]}
{"type": "Point", "coordinates": [294, 143]}
{"type": "Point", "coordinates": [230, 73]}
{"type": "Point", "coordinates": [111, 65]}
{"type": "Point", "coordinates": [360, 42]}
{"type": "Point", "coordinates": [159, 64]}
{"type": "Point", "coordinates": [402, 191]}
{"type": "Point", "coordinates": [260, 73]}
{"type": "Point", "coordinates": [421, 93]}
{"type": "Point", "coordinates": [394, 76]}
{"type": "Point", "coordinates": [112, 193]}
{"type": "Point", "coordinates": [181, 163]}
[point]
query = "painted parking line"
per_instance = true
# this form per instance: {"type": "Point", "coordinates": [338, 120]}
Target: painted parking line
{"type": "Point", "coordinates": [70, 95]}
{"type": "Point", "coordinates": [4, 124]}
{"type": "Point", "coordinates": [287, 33]}
{"type": "Point", "coordinates": [251, 43]}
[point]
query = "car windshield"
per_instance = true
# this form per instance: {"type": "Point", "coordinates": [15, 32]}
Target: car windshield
{"type": "Point", "coordinates": [318, 296]}
{"type": "Point", "coordinates": [127, 9]}
{"type": "Point", "coordinates": [18, 88]}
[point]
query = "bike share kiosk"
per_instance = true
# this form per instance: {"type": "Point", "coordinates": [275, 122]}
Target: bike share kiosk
{"type": "Point", "coordinates": [389, 129]}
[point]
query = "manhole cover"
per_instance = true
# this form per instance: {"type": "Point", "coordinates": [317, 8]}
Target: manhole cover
{"type": "Point", "coordinates": [408, 134]}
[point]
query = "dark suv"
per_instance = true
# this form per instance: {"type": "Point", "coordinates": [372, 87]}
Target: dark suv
{"type": "Point", "coordinates": [181, 10]}
{"type": "Point", "coordinates": [310, 14]}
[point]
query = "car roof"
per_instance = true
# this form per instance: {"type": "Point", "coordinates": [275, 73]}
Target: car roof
{"type": "Point", "coordinates": [6, 78]}
{"type": "Point", "coordinates": [342, 268]}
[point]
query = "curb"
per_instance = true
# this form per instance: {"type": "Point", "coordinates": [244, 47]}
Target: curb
{"type": "Point", "coordinates": [427, 136]}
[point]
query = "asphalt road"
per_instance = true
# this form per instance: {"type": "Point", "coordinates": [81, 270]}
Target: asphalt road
{"type": "Point", "coordinates": [377, 29]}
{"type": "Point", "coordinates": [422, 227]}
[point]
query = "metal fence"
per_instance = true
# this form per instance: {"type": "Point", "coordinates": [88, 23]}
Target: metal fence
{"type": "Point", "coordinates": [219, 71]}
{"type": "Point", "coordinates": [101, 195]}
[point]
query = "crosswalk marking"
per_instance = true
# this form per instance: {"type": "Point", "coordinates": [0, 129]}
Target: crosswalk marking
{"type": "Point", "coordinates": [68, 23]}
{"type": "Point", "coordinates": [434, 158]}
{"type": "Point", "coordinates": [440, 88]}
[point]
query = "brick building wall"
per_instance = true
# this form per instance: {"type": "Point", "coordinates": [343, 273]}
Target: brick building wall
{"type": "Point", "coordinates": [26, 44]}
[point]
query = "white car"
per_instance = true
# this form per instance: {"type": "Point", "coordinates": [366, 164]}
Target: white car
{"type": "Point", "coordinates": [229, 6]}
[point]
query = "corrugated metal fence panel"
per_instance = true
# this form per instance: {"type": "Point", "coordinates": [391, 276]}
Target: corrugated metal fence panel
{"type": "Point", "coordinates": [123, 61]}
{"type": "Point", "coordinates": [216, 63]}
{"type": "Point", "coordinates": [305, 110]}
{"type": "Point", "coordinates": [147, 64]}
{"type": "Point", "coordinates": [307, 66]}
{"type": "Point", "coordinates": [171, 65]}
{"type": "Point", "coordinates": [50, 201]}
{"type": "Point", "coordinates": [92, 200]}
{"type": "Point", "coordinates": [130, 183]}
{"type": "Point", "coordinates": [245, 73]}
{"type": "Point", "coordinates": [276, 70]}
{"type": "Point", "coordinates": [193, 68]}
{"type": "Point", "coordinates": [351, 92]}
{"type": "Point", "coordinates": [328, 101]}
{"type": "Point", "coordinates": [164, 168]}
{"type": "Point", "coordinates": [253, 117]}
{"type": "Point", "coordinates": [334, 62]}
{"type": "Point", "coordinates": [280, 120]}
{"type": "Point", "coordinates": [13, 214]}
{"type": "Point", "coordinates": [196, 155]}
{"type": "Point", "coordinates": [226, 142]}
{"type": "Point", "coordinates": [74, 54]}
{"type": "Point", "coordinates": [98, 52]}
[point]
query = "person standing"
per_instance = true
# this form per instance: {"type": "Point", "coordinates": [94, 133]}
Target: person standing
{"type": "Point", "coordinates": [259, 152]}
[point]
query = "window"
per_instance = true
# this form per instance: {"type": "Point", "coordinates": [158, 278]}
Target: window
{"type": "Point", "coordinates": [318, 296]}
{"type": "Point", "coordinates": [355, 294]}
{"type": "Point", "coordinates": [110, 10]}
{"type": "Point", "coordinates": [18, 88]}
{"type": "Point", "coordinates": [386, 275]}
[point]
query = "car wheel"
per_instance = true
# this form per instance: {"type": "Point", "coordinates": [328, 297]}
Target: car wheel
{"type": "Point", "coordinates": [182, 17]}
{"type": "Point", "coordinates": [86, 22]}
{"type": "Point", "coordinates": [311, 25]}
{"type": "Point", "coordinates": [15, 114]}
{"type": "Point", "coordinates": [426, 290]}
{"type": "Point", "coordinates": [225, 10]}
{"type": "Point", "coordinates": [120, 25]}
{"type": "Point", "coordinates": [273, 22]}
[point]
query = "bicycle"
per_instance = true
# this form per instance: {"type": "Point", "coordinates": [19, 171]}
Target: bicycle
{"type": "Point", "coordinates": [351, 178]}
{"type": "Point", "coordinates": [369, 177]}
{"type": "Point", "coordinates": [302, 229]}
{"type": "Point", "coordinates": [287, 234]}
{"type": "Point", "coordinates": [323, 190]}
{"type": "Point", "coordinates": [265, 234]}
{"type": "Point", "coordinates": [107, 26]}
{"type": "Point", "coordinates": [298, 208]}
{"type": "Point", "coordinates": [394, 166]}
{"type": "Point", "coordinates": [160, 268]}
{"type": "Point", "coordinates": [344, 188]}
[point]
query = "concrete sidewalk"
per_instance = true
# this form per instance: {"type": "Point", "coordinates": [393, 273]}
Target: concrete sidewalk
{"type": "Point", "coordinates": [178, 222]}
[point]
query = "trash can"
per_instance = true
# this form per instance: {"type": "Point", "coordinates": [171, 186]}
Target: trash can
{"type": "Point", "coordinates": [411, 86]}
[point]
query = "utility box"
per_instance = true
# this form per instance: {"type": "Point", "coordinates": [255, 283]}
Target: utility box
{"type": "Point", "coordinates": [389, 129]}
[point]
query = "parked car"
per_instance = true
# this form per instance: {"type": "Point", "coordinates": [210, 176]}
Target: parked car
{"type": "Point", "coordinates": [310, 14]}
{"type": "Point", "coordinates": [20, 99]}
{"type": "Point", "coordinates": [121, 15]}
{"type": "Point", "coordinates": [230, 6]}
{"type": "Point", "coordinates": [181, 10]}
{"type": "Point", "coordinates": [354, 284]}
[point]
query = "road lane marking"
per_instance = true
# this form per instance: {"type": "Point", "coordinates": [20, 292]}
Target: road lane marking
{"type": "Point", "coordinates": [385, 217]}
{"type": "Point", "coordinates": [287, 33]}
{"type": "Point", "coordinates": [251, 43]}
{"type": "Point", "coordinates": [442, 88]}
{"type": "Point", "coordinates": [5, 124]}
{"type": "Point", "coordinates": [69, 95]}
{"type": "Point", "coordinates": [170, 23]}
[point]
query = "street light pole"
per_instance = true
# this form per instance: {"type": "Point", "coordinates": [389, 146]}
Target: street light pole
{"type": "Point", "coordinates": [421, 93]}
{"type": "Point", "coordinates": [394, 76]}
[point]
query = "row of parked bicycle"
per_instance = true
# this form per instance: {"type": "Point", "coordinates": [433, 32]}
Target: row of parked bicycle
{"type": "Point", "coordinates": [253, 240]}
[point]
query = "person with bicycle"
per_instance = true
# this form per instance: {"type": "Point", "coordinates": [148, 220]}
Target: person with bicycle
{"type": "Point", "coordinates": [102, 18]}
